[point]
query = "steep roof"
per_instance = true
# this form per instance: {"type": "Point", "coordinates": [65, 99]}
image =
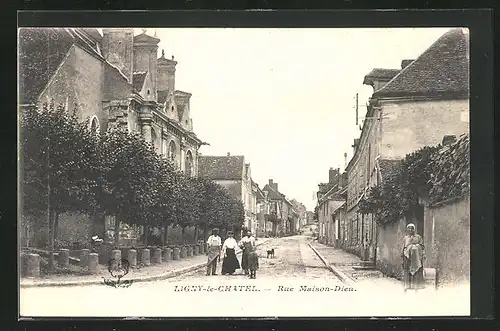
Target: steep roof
{"type": "Point", "coordinates": [272, 193]}
{"type": "Point", "coordinates": [138, 80]}
{"type": "Point", "coordinates": [442, 69]}
{"type": "Point", "coordinates": [380, 73]}
{"type": "Point", "coordinates": [221, 167]}
{"type": "Point", "coordinates": [162, 96]}
{"type": "Point", "coordinates": [41, 51]}
{"type": "Point", "coordinates": [144, 38]}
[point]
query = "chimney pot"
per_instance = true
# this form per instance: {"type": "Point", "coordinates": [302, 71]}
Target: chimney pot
{"type": "Point", "coordinates": [448, 140]}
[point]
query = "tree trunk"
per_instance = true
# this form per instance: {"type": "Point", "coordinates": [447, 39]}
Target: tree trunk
{"type": "Point", "coordinates": [205, 229]}
{"type": "Point", "coordinates": [196, 233]}
{"type": "Point", "coordinates": [183, 234]}
{"type": "Point", "coordinates": [117, 232]}
{"type": "Point", "coordinates": [164, 235]}
{"type": "Point", "coordinates": [146, 235]}
{"type": "Point", "coordinates": [56, 225]}
{"type": "Point", "coordinates": [51, 240]}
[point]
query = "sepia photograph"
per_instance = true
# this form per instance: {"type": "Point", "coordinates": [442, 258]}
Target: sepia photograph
{"type": "Point", "coordinates": [243, 172]}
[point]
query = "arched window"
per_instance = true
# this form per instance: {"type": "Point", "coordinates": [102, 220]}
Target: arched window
{"type": "Point", "coordinates": [154, 138]}
{"type": "Point", "coordinates": [189, 164]}
{"type": "Point", "coordinates": [172, 151]}
{"type": "Point", "coordinates": [94, 124]}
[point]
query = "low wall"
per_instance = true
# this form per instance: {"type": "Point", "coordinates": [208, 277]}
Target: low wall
{"type": "Point", "coordinates": [390, 239]}
{"type": "Point", "coordinates": [448, 240]}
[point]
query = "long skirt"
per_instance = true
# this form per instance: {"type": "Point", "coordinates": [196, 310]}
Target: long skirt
{"type": "Point", "coordinates": [415, 281]}
{"type": "Point", "coordinates": [253, 261]}
{"type": "Point", "coordinates": [244, 260]}
{"type": "Point", "coordinates": [230, 263]}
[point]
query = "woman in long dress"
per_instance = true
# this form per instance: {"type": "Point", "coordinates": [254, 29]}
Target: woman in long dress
{"type": "Point", "coordinates": [213, 252]}
{"type": "Point", "coordinates": [230, 262]}
{"type": "Point", "coordinates": [250, 250]}
{"type": "Point", "coordinates": [413, 255]}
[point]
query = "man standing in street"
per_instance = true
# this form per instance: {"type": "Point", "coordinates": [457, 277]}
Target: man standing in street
{"type": "Point", "coordinates": [214, 243]}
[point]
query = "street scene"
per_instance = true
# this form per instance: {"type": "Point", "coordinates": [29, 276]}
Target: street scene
{"type": "Point", "coordinates": [309, 184]}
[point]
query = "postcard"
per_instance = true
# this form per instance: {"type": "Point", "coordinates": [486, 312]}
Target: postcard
{"type": "Point", "coordinates": [229, 172]}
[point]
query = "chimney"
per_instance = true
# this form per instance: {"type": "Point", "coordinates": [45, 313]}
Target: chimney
{"type": "Point", "coordinates": [332, 175]}
{"type": "Point", "coordinates": [345, 161]}
{"type": "Point", "coordinates": [448, 140]}
{"type": "Point", "coordinates": [405, 63]}
{"type": "Point", "coordinates": [228, 154]}
{"type": "Point", "coordinates": [165, 80]}
{"type": "Point", "coordinates": [145, 58]}
{"type": "Point", "coordinates": [271, 182]}
{"type": "Point", "coordinates": [117, 49]}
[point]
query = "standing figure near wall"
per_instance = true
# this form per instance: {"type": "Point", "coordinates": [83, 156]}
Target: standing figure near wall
{"type": "Point", "coordinates": [413, 256]}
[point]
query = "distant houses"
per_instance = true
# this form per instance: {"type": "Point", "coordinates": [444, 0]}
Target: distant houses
{"type": "Point", "coordinates": [267, 211]}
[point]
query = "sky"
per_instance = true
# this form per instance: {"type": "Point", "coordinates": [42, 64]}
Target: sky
{"type": "Point", "coordinates": [284, 98]}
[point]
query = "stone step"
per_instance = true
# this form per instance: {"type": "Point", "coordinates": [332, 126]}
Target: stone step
{"type": "Point", "coordinates": [364, 267]}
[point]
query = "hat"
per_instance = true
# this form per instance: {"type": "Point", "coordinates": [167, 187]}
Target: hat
{"type": "Point", "coordinates": [411, 225]}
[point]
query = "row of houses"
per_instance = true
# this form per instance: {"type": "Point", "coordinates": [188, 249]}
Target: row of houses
{"type": "Point", "coordinates": [267, 210]}
{"type": "Point", "coordinates": [116, 79]}
{"type": "Point", "coordinates": [424, 103]}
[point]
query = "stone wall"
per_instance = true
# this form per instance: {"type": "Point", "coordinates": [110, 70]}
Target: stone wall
{"type": "Point", "coordinates": [78, 84]}
{"type": "Point", "coordinates": [408, 126]}
{"type": "Point", "coordinates": [389, 248]}
{"type": "Point", "coordinates": [447, 240]}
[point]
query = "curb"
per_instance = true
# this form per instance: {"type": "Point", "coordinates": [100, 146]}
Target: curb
{"type": "Point", "coordinates": [167, 275]}
{"type": "Point", "coordinates": [343, 277]}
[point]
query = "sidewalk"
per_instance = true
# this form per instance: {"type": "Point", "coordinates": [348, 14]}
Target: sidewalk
{"type": "Point", "coordinates": [343, 262]}
{"type": "Point", "coordinates": [152, 272]}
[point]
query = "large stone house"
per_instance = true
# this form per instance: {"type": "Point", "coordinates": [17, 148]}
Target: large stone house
{"type": "Point", "coordinates": [280, 213]}
{"type": "Point", "coordinates": [109, 79]}
{"type": "Point", "coordinates": [330, 208]}
{"type": "Point", "coordinates": [235, 175]}
{"type": "Point", "coordinates": [264, 226]}
{"type": "Point", "coordinates": [423, 102]}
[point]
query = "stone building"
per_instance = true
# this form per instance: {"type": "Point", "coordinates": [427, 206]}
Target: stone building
{"type": "Point", "coordinates": [330, 203]}
{"type": "Point", "coordinates": [235, 175]}
{"type": "Point", "coordinates": [264, 227]}
{"type": "Point", "coordinates": [108, 80]}
{"type": "Point", "coordinates": [280, 209]}
{"type": "Point", "coordinates": [424, 101]}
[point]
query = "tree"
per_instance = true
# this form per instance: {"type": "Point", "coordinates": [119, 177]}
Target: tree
{"type": "Point", "coordinates": [58, 165]}
{"type": "Point", "coordinates": [129, 185]}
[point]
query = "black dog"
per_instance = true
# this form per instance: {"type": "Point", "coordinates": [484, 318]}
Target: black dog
{"type": "Point", "coordinates": [270, 253]}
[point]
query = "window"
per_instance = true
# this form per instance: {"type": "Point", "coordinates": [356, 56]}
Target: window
{"type": "Point", "coordinates": [172, 151]}
{"type": "Point", "coordinates": [94, 124]}
{"type": "Point", "coordinates": [189, 164]}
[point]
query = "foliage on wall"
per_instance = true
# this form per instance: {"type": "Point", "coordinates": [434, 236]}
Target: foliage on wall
{"type": "Point", "coordinates": [400, 188]}
{"type": "Point", "coordinates": [450, 177]}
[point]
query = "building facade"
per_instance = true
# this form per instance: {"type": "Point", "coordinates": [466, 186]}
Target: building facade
{"type": "Point", "coordinates": [113, 79]}
{"type": "Point", "coordinates": [401, 118]}
{"type": "Point", "coordinates": [235, 175]}
{"type": "Point", "coordinates": [280, 210]}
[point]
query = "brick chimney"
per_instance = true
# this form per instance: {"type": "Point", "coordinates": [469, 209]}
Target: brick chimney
{"type": "Point", "coordinates": [405, 63]}
{"type": "Point", "coordinates": [273, 185]}
{"type": "Point", "coordinates": [333, 175]}
{"type": "Point", "coordinates": [448, 140]}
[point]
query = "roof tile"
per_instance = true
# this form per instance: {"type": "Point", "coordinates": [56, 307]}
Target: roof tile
{"type": "Point", "coordinates": [442, 68]}
{"type": "Point", "coordinates": [221, 167]}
